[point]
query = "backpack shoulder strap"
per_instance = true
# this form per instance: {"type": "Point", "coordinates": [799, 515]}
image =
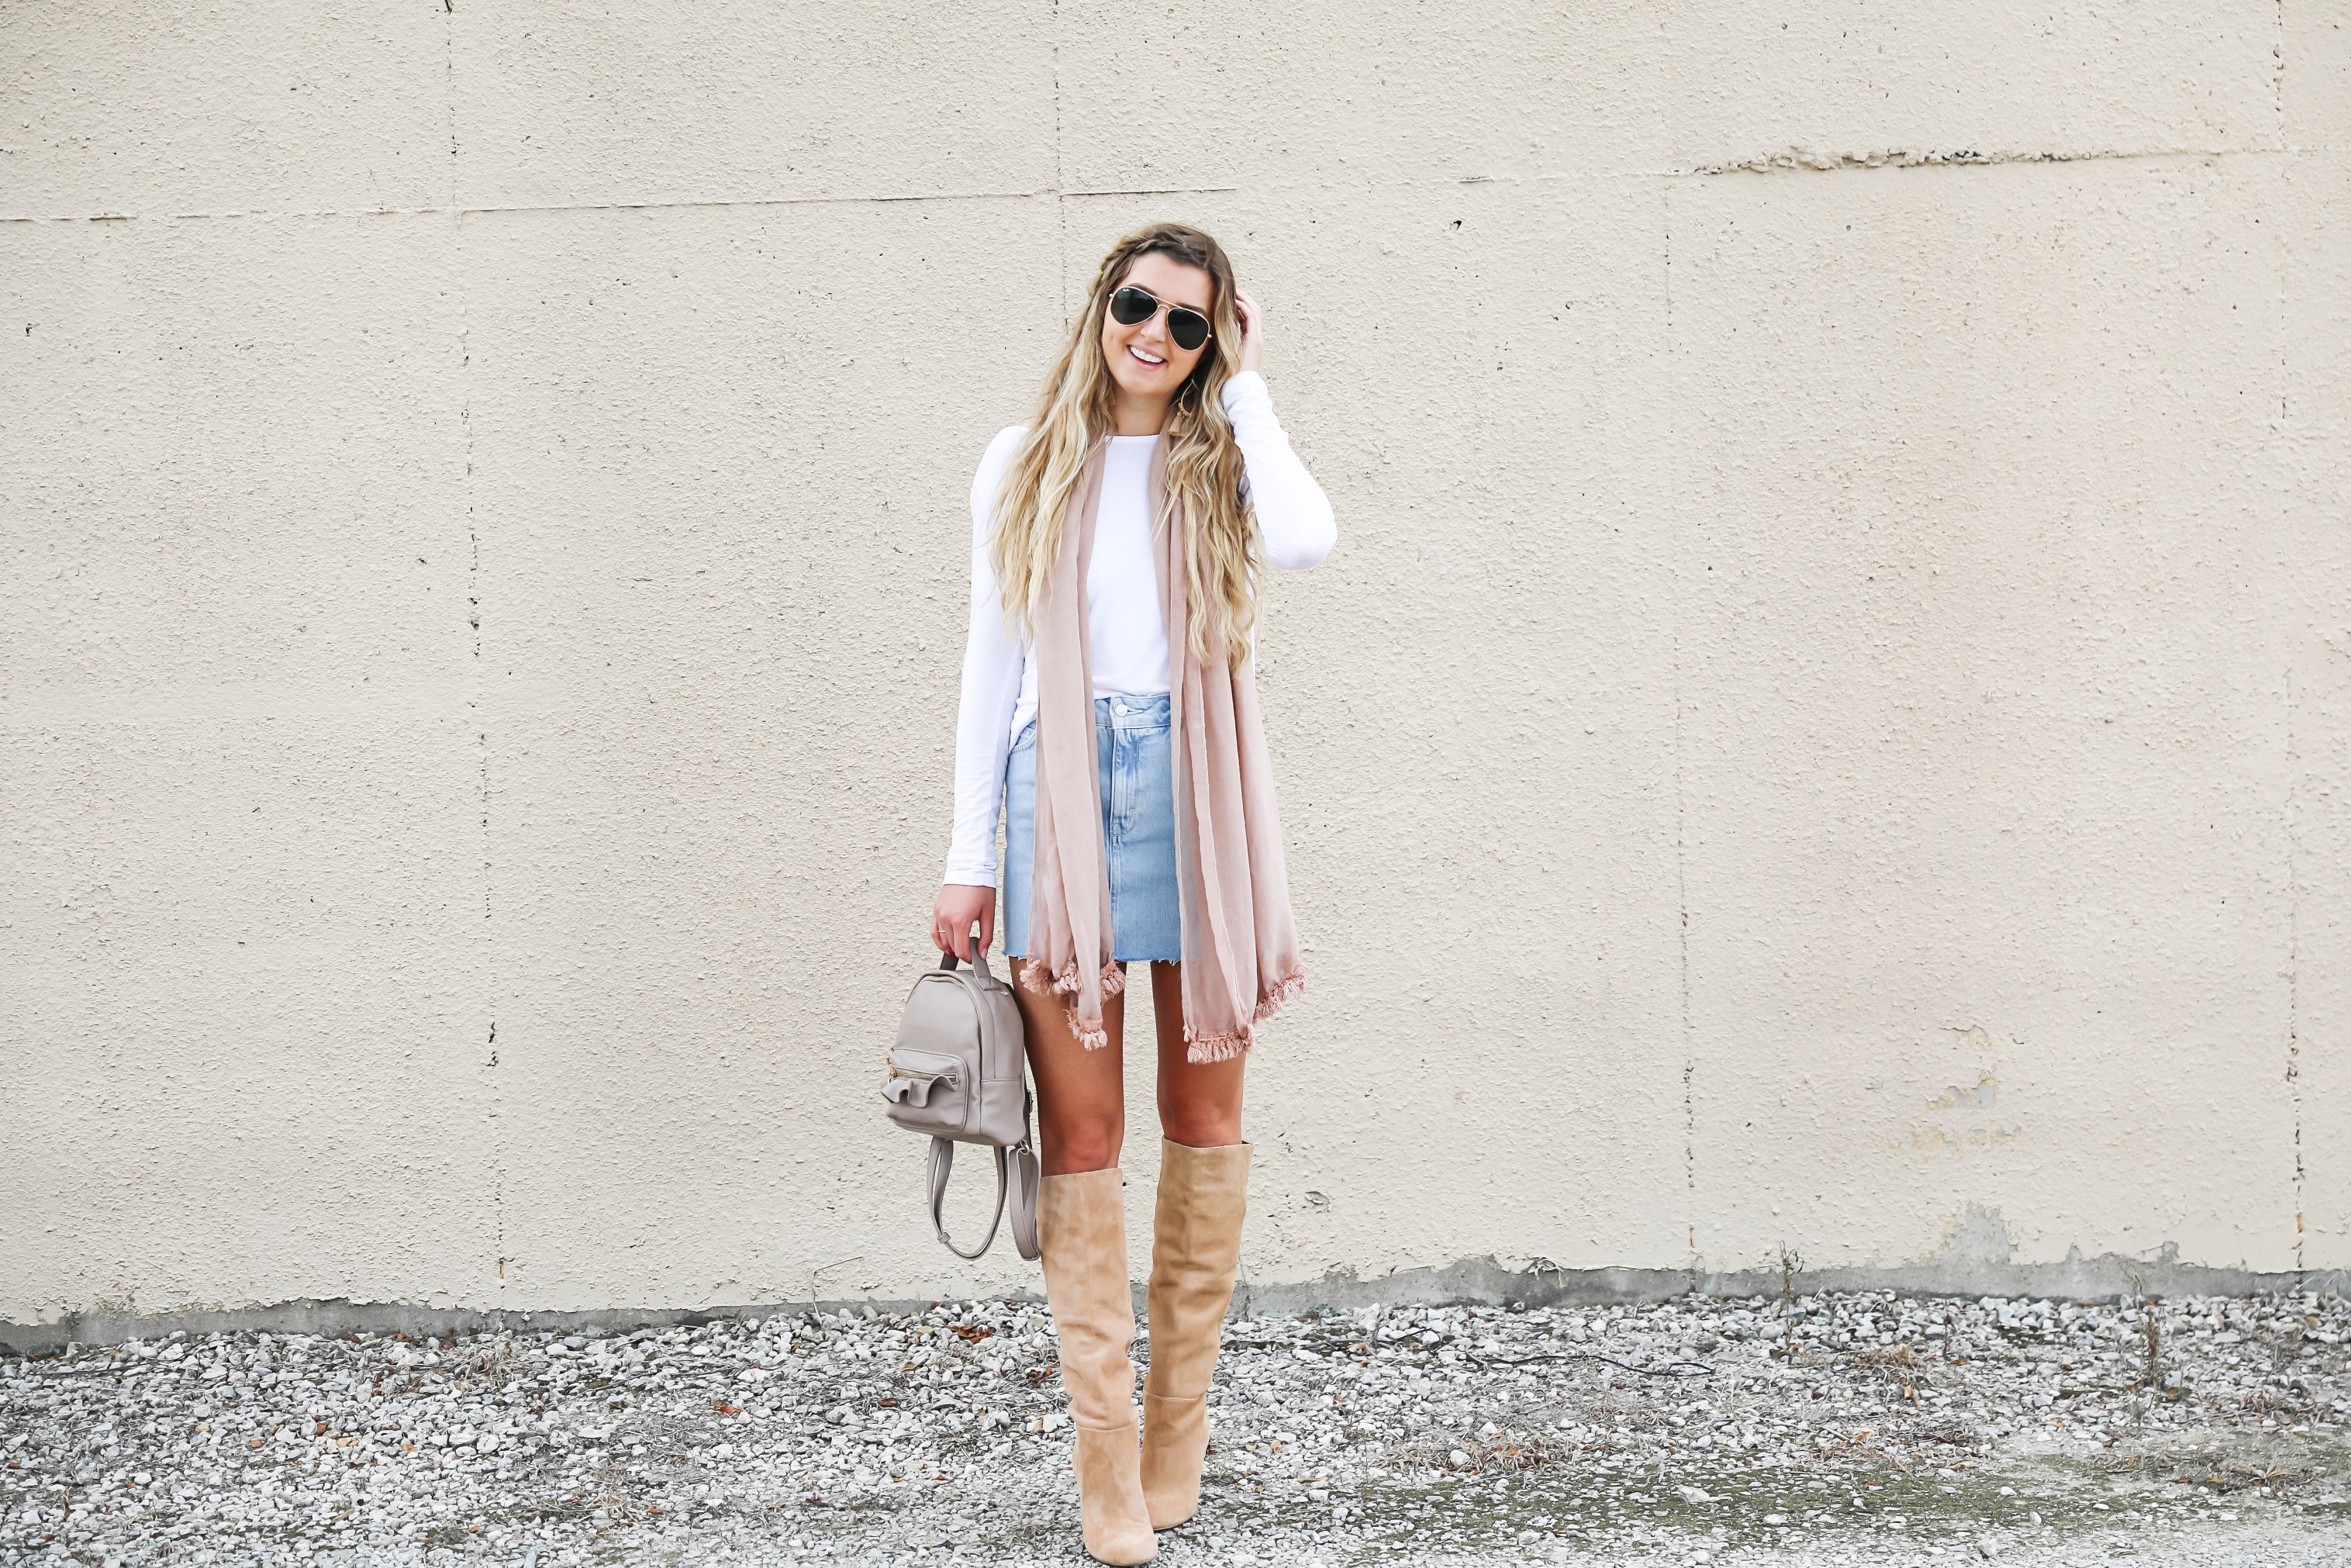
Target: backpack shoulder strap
{"type": "Point", "coordinates": [942, 1162]}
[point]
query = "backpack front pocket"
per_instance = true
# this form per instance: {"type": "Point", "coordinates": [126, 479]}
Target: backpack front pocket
{"type": "Point", "coordinates": [929, 1091]}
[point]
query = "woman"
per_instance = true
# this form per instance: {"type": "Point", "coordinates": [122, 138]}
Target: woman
{"type": "Point", "coordinates": [1108, 708]}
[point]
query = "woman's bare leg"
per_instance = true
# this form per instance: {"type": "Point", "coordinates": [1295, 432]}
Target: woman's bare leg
{"type": "Point", "coordinates": [1080, 1093]}
{"type": "Point", "coordinates": [1200, 1101]}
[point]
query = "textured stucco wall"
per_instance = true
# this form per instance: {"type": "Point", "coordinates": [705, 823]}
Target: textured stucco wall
{"type": "Point", "coordinates": [1829, 726]}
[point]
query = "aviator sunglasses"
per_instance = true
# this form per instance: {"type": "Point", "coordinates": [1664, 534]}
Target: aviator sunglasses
{"type": "Point", "coordinates": [1131, 307]}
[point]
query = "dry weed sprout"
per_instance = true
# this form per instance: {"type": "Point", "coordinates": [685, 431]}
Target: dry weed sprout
{"type": "Point", "coordinates": [1792, 1263]}
{"type": "Point", "coordinates": [1504, 1453]}
{"type": "Point", "coordinates": [1900, 1363]}
{"type": "Point", "coordinates": [492, 1363]}
{"type": "Point", "coordinates": [2150, 1334]}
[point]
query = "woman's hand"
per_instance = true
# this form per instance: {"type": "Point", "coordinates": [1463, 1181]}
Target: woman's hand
{"type": "Point", "coordinates": [960, 907]}
{"type": "Point", "coordinates": [1252, 329]}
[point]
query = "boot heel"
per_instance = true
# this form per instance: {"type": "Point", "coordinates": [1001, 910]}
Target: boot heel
{"type": "Point", "coordinates": [1174, 1444]}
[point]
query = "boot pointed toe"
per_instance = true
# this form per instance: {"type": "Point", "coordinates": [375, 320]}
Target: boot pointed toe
{"type": "Point", "coordinates": [1111, 1516]}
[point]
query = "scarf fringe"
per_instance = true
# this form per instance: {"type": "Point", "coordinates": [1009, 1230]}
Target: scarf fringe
{"type": "Point", "coordinates": [1035, 977]}
{"type": "Point", "coordinates": [1203, 1049]}
{"type": "Point", "coordinates": [1210, 1048]}
{"type": "Point", "coordinates": [1280, 991]}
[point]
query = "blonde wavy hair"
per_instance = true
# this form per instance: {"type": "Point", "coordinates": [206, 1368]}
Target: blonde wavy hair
{"type": "Point", "coordinates": [1204, 460]}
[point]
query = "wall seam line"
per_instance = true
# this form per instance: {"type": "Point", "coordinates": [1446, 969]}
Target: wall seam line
{"type": "Point", "coordinates": [456, 212]}
{"type": "Point", "coordinates": [2293, 977]}
{"type": "Point", "coordinates": [2293, 759]}
{"type": "Point", "coordinates": [1061, 180]}
{"type": "Point", "coordinates": [1681, 859]}
{"type": "Point", "coordinates": [1844, 163]}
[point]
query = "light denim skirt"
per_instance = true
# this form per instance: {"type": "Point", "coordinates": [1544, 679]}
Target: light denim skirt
{"type": "Point", "coordinates": [1138, 814]}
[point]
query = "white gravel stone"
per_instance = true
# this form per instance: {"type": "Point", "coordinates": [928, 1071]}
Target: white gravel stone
{"type": "Point", "coordinates": [1836, 1429]}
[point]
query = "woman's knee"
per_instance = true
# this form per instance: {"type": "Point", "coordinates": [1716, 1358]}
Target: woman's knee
{"type": "Point", "coordinates": [1200, 1103]}
{"type": "Point", "coordinates": [1080, 1143]}
{"type": "Point", "coordinates": [1201, 1127]}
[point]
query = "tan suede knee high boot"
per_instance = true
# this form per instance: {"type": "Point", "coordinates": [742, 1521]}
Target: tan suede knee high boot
{"type": "Point", "coordinates": [1196, 1245]}
{"type": "Point", "coordinates": [1081, 1235]}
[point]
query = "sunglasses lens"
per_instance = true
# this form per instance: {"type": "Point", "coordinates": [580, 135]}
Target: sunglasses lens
{"type": "Point", "coordinates": [1130, 305]}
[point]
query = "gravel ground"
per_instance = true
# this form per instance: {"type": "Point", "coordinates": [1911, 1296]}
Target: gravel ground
{"type": "Point", "coordinates": [1837, 1429]}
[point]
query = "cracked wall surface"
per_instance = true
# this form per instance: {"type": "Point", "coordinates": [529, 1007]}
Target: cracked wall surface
{"type": "Point", "coordinates": [1830, 718]}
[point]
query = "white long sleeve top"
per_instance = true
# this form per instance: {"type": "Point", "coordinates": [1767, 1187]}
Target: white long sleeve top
{"type": "Point", "coordinates": [1126, 628]}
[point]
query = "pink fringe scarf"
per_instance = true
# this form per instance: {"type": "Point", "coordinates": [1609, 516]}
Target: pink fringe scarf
{"type": "Point", "coordinates": [1240, 948]}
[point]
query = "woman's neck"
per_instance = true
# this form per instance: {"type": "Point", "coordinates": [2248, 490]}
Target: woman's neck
{"type": "Point", "coordinates": [1131, 415]}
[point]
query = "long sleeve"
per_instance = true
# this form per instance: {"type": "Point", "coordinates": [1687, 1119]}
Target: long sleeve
{"type": "Point", "coordinates": [1293, 515]}
{"type": "Point", "coordinates": [993, 662]}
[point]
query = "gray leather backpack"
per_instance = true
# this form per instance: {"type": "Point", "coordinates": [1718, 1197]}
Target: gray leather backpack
{"type": "Point", "coordinates": [959, 1071]}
